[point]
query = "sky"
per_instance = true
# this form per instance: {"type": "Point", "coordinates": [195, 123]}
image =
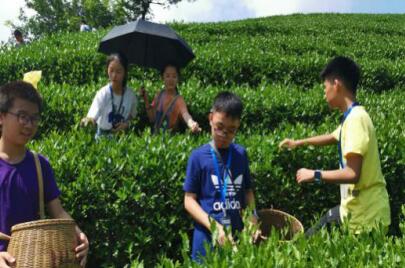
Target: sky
{"type": "Point", "coordinates": [224, 10]}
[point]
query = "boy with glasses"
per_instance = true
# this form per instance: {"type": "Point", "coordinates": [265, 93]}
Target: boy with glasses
{"type": "Point", "coordinates": [20, 107]}
{"type": "Point", "coordinates": [218, 184]}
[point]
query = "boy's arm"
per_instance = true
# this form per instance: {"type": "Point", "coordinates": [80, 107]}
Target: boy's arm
{"type": "Point", "coordinates": [200, 216]}
{"type": "Point", "coordinates": [250, 198]}
{"type": "Point", "coordinates": [350, 174]}
{"type": "Point", "coordinates": [56, 211]}
{"type": "Point", "coordinates": [194, 209]}
{"type": "Point", "coordinates": [320, 140]}
{"type": "Point", "coordinates": [250, 201]}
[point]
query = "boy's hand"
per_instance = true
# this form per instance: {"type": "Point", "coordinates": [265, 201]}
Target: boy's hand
{"type": "Point", "coordinates": [82, 249]}
{"type": "Point", "coordinates": [6, 260]}
{"type": "Point", "coordinates": [257, 235]}
{"type": "Point", "coordinates": [305, 175]}
{"type": "Point", "coordinates": [222, 237]}
{"type": "Point", "coordinates": [86, 121]}
{"type": "Point", "coordinates": [288, 143]}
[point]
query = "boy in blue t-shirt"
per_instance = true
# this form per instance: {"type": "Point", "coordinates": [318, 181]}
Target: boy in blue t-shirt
{"type": "Point", "coordinates": [218, 184]}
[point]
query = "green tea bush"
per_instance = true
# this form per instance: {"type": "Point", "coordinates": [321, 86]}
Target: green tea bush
{"type": "Point", "coordinates": [126, 193]}
{"type": "Point", "coordinates": [287, 49]}
{"type": "Point", "coordinates": [337, 248]}
{"type": "Point", "coordinates": [266, 106]}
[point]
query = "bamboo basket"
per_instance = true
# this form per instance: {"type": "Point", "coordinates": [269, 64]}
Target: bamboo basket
{"type": "Point", "coordinates": [43, 244]}
{"type": "Point", "coordinates": [272, 219]}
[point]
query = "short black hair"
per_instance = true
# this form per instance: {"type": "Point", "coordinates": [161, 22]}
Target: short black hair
{"type": "Point", "coordinates": [123, 61]}
{"type": "Point", "coordinates": [228, 103]}
{"type": "Point", "coordinates": [18, 90]}
{"type": "Point", "coordinates": [17, 33]}
{"type": "Point", "coordinates": [344, 69]}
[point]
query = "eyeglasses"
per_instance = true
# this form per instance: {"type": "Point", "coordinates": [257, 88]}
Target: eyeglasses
{"type": "Point", "coordinates": [24, 118]}
{"type": "Point", "coordinates": [225, 131]}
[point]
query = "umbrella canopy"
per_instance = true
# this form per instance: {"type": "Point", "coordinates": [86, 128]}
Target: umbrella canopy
{"type": "Point", "coordinates": [147, 44]}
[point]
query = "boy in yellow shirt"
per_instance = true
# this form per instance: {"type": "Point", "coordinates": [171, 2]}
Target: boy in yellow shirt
{"type": "Point", "coordinates": [362, 186]}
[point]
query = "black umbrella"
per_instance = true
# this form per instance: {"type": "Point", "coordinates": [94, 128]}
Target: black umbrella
{"type": "Point", "coordinates": [147, 44]}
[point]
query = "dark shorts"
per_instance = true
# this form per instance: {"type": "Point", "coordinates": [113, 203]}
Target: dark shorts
{"type": "Point", "coordinates": [331, 217]}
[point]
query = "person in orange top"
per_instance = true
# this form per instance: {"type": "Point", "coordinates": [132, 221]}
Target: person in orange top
{"type": "Point", "coordinates": [168, 107]}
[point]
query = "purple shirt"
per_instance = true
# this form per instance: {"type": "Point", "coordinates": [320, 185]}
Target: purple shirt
{"type": "Point", "coordinates": [19, 192]}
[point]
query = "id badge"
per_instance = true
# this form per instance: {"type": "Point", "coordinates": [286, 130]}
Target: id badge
{"type": "Point", "coordinates": [226, 221]}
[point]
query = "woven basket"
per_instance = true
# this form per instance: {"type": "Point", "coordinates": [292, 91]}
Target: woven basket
{"type": "Point", "coordinates": [44, 244]}
{"type": "Point", "coordinates": [272, 219]}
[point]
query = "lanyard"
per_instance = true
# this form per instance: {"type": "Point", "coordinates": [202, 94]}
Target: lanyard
{"type": "Point", "coordinates": [112, 100]}
{"type": "Point", "coordinates": [345, 115]}
{"type": "Point", "coordinates": [221, 179]}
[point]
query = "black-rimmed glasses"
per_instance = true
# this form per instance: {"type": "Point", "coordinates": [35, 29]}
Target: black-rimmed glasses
{"type": "Point", "coordinates": [24, 118]}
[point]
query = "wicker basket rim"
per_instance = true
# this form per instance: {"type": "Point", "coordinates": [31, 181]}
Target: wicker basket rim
{"type": "Point", "coordinates": [41, 223]}
{"type": "Point", "coordinates": [284, 214]}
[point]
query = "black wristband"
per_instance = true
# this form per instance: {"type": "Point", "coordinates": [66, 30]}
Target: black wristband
{"type": "Point", "coordinates": [317, 176]}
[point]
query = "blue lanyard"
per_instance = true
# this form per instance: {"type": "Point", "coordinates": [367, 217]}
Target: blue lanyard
{"type": "Point", "coordinates": [222, 179]}
{"type": "Point", "coordinates": [345, 115]}
{"type": "Point", "coordinates": [112, 100]}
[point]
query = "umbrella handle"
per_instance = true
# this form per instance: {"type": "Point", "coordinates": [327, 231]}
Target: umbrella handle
{"type": "Point", "coordinates": [4, 236]}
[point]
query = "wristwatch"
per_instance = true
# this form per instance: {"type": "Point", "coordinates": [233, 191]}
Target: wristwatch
{"type": "Point", "coordinates": [318, 176]}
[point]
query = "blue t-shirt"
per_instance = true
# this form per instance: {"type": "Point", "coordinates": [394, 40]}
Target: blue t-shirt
{"type": "Point", "coordinates": [202, 180]}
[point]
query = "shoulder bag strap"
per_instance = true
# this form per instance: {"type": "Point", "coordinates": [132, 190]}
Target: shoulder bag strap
{"type": "Point", "coordinates": [162, 118]}
{"type": "Point", "coordinates": [40, 186]}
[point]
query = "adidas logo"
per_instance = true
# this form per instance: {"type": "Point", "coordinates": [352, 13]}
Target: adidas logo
{"type": "Point", "coordinates": [229, 205]}
{"type": "Point", "coordinates": [232, 187]}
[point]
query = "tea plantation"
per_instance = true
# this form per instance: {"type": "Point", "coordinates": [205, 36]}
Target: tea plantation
{"type": "Point", "coordinates": [126, 193]}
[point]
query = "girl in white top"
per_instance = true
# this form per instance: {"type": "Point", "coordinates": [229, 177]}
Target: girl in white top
{"type": "Point", "coordinates": [114, 104]}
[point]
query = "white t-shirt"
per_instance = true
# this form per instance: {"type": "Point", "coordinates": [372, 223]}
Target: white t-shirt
{"type": "Point", "coordinates": [102, 106]}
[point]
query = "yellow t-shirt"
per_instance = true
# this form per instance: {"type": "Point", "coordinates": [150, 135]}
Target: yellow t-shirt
{"type": "Point", "coordinates": [366, 201]}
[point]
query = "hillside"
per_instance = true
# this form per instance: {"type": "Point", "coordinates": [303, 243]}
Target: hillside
{"type": "Point", "coordinates": [126, 194]}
